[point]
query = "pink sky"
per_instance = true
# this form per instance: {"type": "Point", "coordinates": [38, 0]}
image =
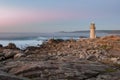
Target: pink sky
{"type": "Point", "coordinates": [15, 16]}
{"type": "Point", "coordinates": [58, 15]}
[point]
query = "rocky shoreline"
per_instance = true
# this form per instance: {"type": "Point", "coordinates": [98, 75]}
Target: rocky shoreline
{"type": "Point", "coordinates": [83, 59]}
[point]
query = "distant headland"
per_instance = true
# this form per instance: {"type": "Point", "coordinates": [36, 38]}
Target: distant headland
{"type": "Point", "coordinates": [98, 31]}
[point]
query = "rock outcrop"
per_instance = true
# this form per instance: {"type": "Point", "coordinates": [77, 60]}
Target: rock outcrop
{"type": "Point", "coordinates": [83, 59]}
{"type": "Point", "coordinates": [11, 46]}
{"type": "Point", "coordinates": [6, 76]}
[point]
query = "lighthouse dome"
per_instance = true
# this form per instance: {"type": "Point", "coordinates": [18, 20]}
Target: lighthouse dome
{"type": "Point", "coordinates": [92, 26]}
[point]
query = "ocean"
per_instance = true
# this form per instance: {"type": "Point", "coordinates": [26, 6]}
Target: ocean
{"type": "Point", "coordinates": [22, 40]}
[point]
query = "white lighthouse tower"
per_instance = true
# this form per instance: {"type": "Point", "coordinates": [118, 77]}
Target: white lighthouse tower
{"type": "Point", "coordinates": [92, 31]}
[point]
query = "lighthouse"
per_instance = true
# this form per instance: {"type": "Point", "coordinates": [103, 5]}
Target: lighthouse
{"type": "Point", "coordinates": [92, 31]}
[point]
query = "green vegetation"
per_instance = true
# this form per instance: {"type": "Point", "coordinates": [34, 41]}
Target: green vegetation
{"type": "Point", "coordinates": [109, 70]}
{"type": "Point", "coordinates": [106, 47]}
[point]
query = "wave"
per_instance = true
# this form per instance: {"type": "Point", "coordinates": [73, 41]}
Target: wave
{"type": "Point", "coordinates": [23, 41]}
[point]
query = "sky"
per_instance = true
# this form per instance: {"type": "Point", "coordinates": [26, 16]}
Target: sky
{"type": "Point", "coordinates": [58, 15]}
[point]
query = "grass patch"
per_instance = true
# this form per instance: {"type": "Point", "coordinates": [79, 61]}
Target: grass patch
{"type": "Point", "coordinates": [109, 70]}
{"type": "Point", "coordinates": [106, 47]}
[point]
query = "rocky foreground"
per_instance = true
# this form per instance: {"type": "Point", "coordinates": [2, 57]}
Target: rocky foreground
{"type": "Point", "coordinates": [83, 59]}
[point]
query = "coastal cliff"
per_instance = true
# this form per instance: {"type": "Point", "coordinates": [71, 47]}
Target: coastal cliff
{"type": "Point", "coordinates": [57, 59]}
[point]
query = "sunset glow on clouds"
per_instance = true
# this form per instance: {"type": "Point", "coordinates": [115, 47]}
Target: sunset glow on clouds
{"type": "Point", "coordinates": [57, 15]}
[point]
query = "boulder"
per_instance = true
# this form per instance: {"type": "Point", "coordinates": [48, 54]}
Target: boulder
{"type": "Point", "coordinates": [1, 50]}
{"type": "Point", "coordinates": [6, 76]}
{"type": "Point", "coordinates": [108, 77]}
{"type": "Point", "coordinates": [91, 57]}
{"type": "Point", "coordinates": [55, 40]}
{"type": "Point", "coordinates": [1, 45]}
{"type": "Point", "coordinates": [8, 53]}
{"type": "Point", "coordinates": [82, 56]}
{"type": "Point", "coordinates": [11, 46]}
{"type": "Point", "coordinates": [2, 58]}
{"type": "Point", "coordinates": [82, 37]}
{"type": "Point", "coordinates": [18, 55]}
{"type": "Point", "coordinates": [114, 59]}
{"type": "Point", "coordinates": [1, 54]}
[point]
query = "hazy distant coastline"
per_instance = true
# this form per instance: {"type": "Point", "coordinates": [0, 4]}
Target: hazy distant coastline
{"type": "Point", "coordinates": [98, 31]}
{"type": "Point", "coordinates": [60, 33]}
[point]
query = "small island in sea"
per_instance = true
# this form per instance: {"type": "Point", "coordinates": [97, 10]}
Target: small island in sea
{"type": "Point", "coordinates": [94, 58]}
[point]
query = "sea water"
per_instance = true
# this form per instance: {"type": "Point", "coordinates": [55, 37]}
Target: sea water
{"type": "Point", "coordinates": [23, 40]}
